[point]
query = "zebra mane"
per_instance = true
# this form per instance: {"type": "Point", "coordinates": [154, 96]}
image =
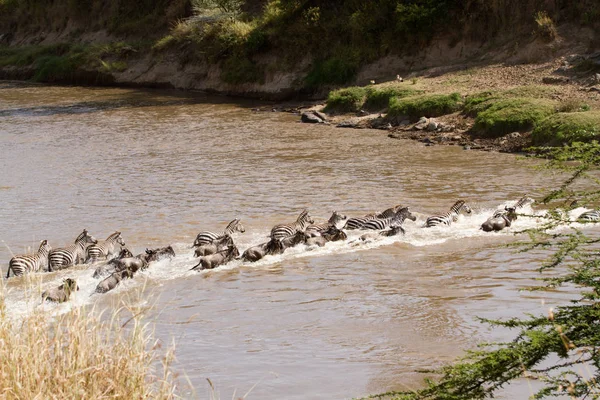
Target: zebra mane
{"type": "Point", "coordinates": [390, 212]}
{"type": "Point", "coordinates": [81, 236]}
{"type": "Point", "coordinates": [523, 201]}
{"type": "Point", "coordinates": [302, 215]}
{"type": "Point", "coordinates": [458, 205]}
{"type": "Point", "coordinates": [113, 235]}
{"type": "Point", "coordinates": [232, 224]}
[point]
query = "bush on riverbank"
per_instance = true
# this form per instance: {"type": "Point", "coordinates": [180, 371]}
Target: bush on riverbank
{"type": "Point", "coordinates": [80, 355]}
{"type": "Point", "coordinates": [504, 116]}
{"type": "Point", "coordinates": [565, 128]}
{"type": "Point", "coordinates": [426, 105]}
{"type": "Point", "coordinates": [354, 98]}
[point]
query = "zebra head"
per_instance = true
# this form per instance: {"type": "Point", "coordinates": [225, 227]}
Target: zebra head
{"type": "Point", "coordinates": [336, 217]}
{"type": "Point", "coordinates": [116, 237]}
{"type": "Point", "coordinates": [459, 206]}
{"type": "Point", "coordinates": [305, 218]}
{"type": "Point", "coordinates": [44, 247]}
{"type": "Point", "coordinates": [239, 227]}
{"type": "Point", "coordinates": [403, 214]}
{"type": "Point", "coordinates": [85, 237]}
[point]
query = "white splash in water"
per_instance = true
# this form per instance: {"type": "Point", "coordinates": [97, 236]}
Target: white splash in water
{"type": "Point", "coordinates": [22, 302]}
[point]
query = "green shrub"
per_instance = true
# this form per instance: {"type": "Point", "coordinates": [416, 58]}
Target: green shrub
{"type": "Point", "coordinates": [57, 68]}
{"type": "Point", "coordinates": [514, 114]}
{"type": "Point", "coordinates": [478, 102]}
{"type": "Point", "coordinates": [545, 27]}
{"type": "Point", "coordinates": [378, 99]}
{"type": "Point", "coordinates": [430, 105]}
{"type": "Point", "coordinates": [346, 100]}
{"type": "Point", "coordinates": [566, 128]}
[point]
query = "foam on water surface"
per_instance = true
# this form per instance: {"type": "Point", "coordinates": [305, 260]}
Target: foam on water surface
{"type": "Point", "coordinates": [21, 302]}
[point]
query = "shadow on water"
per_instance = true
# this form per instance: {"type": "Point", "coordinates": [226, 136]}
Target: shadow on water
{"type": "Point", "coordinates": [125, 98]}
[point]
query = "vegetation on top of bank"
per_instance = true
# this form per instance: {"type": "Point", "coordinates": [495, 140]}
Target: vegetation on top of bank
{"type": "Point", "coordinates": [369, 98]}
{"type": "Point", "coordinates": [431, 105]}
{"type": "Point", "coordinates": [513, 114]}
{"type": "Point", "coordinates": [71, 63]}
{"type": "Point", "coordinates": [334, 39]}
{"type": "Point", "coordinates": [565, 128]}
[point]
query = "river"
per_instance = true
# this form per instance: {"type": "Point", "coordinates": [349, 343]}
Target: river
{"type": "Point", "coordinates": [343, 321]}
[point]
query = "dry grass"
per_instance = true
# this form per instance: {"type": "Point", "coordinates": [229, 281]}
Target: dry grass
{"type": "Point", "coordinates": [83, 355]}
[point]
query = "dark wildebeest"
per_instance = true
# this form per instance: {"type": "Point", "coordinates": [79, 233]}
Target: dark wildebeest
{"type": "Point", "coordinates": [217, 245]}
{"type": "Point", "coordinates": [333, 234]}
{"type": "Point", "coordinates": [255, 253]}
{"type": "Point", "coordinates": [318, 229]}
{"type": "Point", "coordinates": [61, 293]}
{"type": "Point", "coordinates": [501, 221]}
{"type": "Point", "coordinates": [113, 280]}
{"type": "Point", "coordinates": [214, 260]}
{"type": "Point", "coordinates": [111, 266]}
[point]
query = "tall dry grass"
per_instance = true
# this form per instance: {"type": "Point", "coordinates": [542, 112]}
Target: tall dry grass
{"type": "Point", "coordinates": [82, 354]}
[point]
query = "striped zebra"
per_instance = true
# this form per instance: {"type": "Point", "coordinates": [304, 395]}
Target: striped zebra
{"type": "Point", "coordinates": [208, 237]}
{"type": "Point", "coordinates": [384, 223]}
{"type": "Point", "coordinates": [318, 229]}
{"type": "Point", "coordinates": [30, 262]}
{"type": "Point", "coordinates": [74, 254]}
{"type": "Point", "coordinates": [282, 231]}
{"type": "Point", "coordinates": [450, 216]}
{"type": "Point", "coordinates": [105, 248]}
{"type": "Point", "coordinates": [522, 202]}
{"type": "Point", "coordinates": [589, 216]}
{"type": "Point", "coordinates": [357, 223]}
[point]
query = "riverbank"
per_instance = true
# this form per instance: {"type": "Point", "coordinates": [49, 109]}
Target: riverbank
{"type": "Point", "coordinates": [497, 107]}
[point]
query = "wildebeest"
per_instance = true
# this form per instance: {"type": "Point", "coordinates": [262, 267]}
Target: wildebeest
{"type": "Point", "coordinates": [214, 260]}
{"type": "Point", "coordinates": [501, 221]}
{"type": "Point", "coordinates": [111, 266]}
{"type": "Point", "coordinates": [214, 247]}
{"type": "Point", "coordinates": [113, 280]}
{"type": "Point", "coordinates": [333, 234]}
{"type": "Point", "coordinates": [61, 293]}
{"type": "Point", "coordinates": [257, 252]}
{"type": "Point", "coordinates": [159, 254]}
{"type": "Point", "coordinates": [318, 229]}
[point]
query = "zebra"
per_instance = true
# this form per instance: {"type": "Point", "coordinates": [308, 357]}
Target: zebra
{"type": "Point", "coordinates": [282, 231]}
{"type": "Point", "coordinates": [207, 237]}
{"type": "Point", "coordinates": [30, 262]}
{"type": "Point", "coordinates": [384, 223]}
{"type": "Point", "coordinates": [589, 216]}
{"type": "Point", "coordinates": [358, 222]}
{"type": "Point", "coordinates": [105, 248]}
{"type": "Point", "coordinates": [318, 229]}
{"type": "Point", "coordinates": [522, 202]}
{"type": "Point", "coordinates": [450, 216]}
{"type": "Point", "coordinates": [65, 257]}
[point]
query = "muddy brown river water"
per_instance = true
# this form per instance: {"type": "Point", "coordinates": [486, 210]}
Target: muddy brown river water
{"type": "Point", "coordinates": [333, 323]}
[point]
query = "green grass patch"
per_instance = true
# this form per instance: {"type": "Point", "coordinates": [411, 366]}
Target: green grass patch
{"type": "Point", "coordinates": [355, 98]}
{"type": "Point", "coordinates": [565, 128]}
{"type": "Point", "coordinates": [346, 100]}
{"type": "Point", "coordinates": [378, 99]}
{"type": "Point", "coordinates": [515, 114]}
{"type": "Point", "coordinates": [428, 105]}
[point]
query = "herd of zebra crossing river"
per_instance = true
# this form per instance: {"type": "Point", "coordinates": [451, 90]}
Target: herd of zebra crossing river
{"type": "Point", "coordinates": [114, 262]}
